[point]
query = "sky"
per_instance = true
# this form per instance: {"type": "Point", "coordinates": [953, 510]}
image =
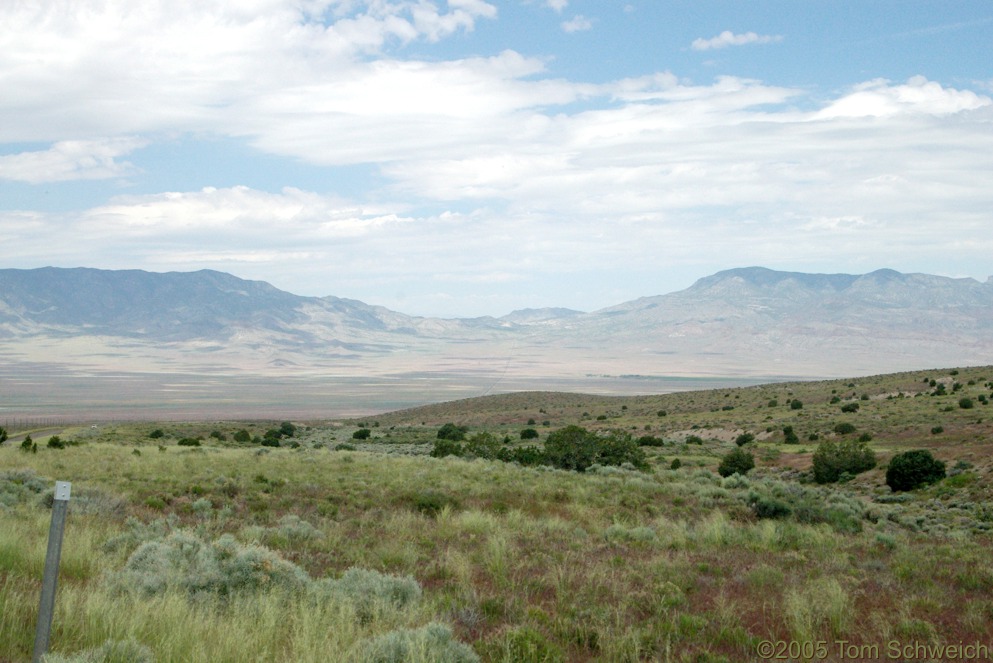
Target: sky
{"type": "Point", "coordinates": [474, 157]}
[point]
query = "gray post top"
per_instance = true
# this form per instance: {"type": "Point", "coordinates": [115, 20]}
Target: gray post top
{"type": "Point", "coordinates": [62, 490]}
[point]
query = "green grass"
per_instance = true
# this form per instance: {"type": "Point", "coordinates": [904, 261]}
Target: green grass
{"type": "Point", "coordinates": [518, 564]}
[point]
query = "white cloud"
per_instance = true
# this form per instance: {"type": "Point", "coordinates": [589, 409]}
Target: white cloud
{"type": "Point", "coordinates": [728, 38]}
{"type": "Point", "coordinates": [70, 160]}
{"type": "Point", "coordinates": [879, 99]}
{"type": "Point", "coordinates": [577, 23]}
{"type": "Point", "coordinates": [557, 5]}
{"type": "Point", "coordinates": [97, 68]}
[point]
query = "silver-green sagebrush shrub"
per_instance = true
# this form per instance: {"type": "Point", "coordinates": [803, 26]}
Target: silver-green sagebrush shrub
{"type": "Point", "coordinates": [19, 486]}
{"type": "Point", "coordinates": [183, 561]}
{"type": "Point", "coordinates": [371, 593]}
{"type": "Point", "coordinates": [112, 651]}
{"type": "Point", "coordinates": [294, 529]}
{"type": "Point", "coordinates": [432, 643]}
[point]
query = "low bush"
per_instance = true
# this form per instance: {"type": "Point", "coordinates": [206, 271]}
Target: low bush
{"type": "Point", "coordinates": [452, 432]}
{"type": "Point", "coordinates": [183, 561]}
{"type": "Point", "coordinates": [430, 502]}
{"type": "Point", "coordinates": [446, 447]}
{"type": "Point", "coordinates": [743, 439]}
{"type": "Point", "coordinates": [432, 643]}
{"type": "Point", "coordinates": [528, 456]}
{"type": "Point", "coordinates": [189, 442]}
{"type": "Point", "coordinates": [482, 445]}
{"type": "Point", "coordinates": [832, 459]}
{"type": "Point", "coordinates": [913, 469]}
{"type": "Point", "coordinates": [371, 593]}
{"type": "Point", "coordinates": [737, 461]}
{"type": "Point", "coordinates": [769, 507]}
{"type": "Point", "coordinates": [529, 434]}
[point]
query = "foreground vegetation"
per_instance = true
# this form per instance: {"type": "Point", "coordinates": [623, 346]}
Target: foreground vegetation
{"type": "Point", "coordinates": [348, 540]}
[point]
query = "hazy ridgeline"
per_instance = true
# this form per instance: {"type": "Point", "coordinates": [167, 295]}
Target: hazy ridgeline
{"type": "Point", "coordinates": [291, 546]}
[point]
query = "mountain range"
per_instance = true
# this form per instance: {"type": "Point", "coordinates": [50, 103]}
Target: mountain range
{"type": "Point", "coordinates": [747, 322]}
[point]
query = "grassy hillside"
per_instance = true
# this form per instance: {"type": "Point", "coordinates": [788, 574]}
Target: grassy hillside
{"type": "Point", "coordinates": [309, 551]}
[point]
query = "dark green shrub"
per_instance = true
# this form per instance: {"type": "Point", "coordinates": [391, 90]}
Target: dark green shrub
{"type": "Point", "coordinates": [844, 428]}
{"type": "Point", "coordinates": [619, 448]}
{"type": "Point", "coordinates": [966, 403]}
{"type": "Point", "coordinates": [572, 448]}
{"type": "Point", "coordinates": [218, 435]}
{"type": "Point", "coordinates": [452, 432]}
{"type": "Point", "coordinates": [675, 464]}
{"type": "Point", "coordinates": [528, 456]}
{"type": "Point", "coordinates": [796, 404]}
{"type": "Point", "coordinates": [481, 445]}
{"type": "Point", "coordinates": [773, 403]}
{"type": "Point", "coordinates": [531, 422]}
{"type": "Point", "coordinates": [269, 441]}
{"type": "Point", "coordinates": [662, 413]}
{"type": "Point", "coordinates": [694, 439]}
{"type": "Point", "coordinates": [430, 502]}
{"type": "Point", "coordinates": [156, 434]}
{"type": "Point", "coordinates": [913, 469]}
{"type": "Point", "coordinates": [789, 436]}
{"type": "Point", "coordinates": [834, 458]}
{"type": "Point", "coordinates": [445, 447]}
{"type": "Point", "coordinates": [850, 407]}
{"type": "Point", "coordinates": [242, 436]}
{"type": "Point", "coordinates": [273, 435]}
{"type": "Point", "coordinates": [650, 441]}
{"type": "Point", "coordinates": [743, 439]}
{"type": "Point", "coordinates": [55, 442]}
{"type": "Point", "coordinates": [362, 434]}
{"type": "Point", "coordinates": [769, 507]}
{"type": "Point", "coordinates": [27, 444]}
{"type": "Point", "coordinates": [529, 434]}
{"type": "Point", "coordinates": [737, 461]}
{"type": "Point", "coordinates": [936, 430]}
{"type": "Point", "coordinates": [189, 442]}
{"type": "Point", "coordinates": [287, 429]}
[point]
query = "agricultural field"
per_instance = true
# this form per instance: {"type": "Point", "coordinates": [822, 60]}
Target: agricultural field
{"type": "Point", "coordinates": [347, 540]}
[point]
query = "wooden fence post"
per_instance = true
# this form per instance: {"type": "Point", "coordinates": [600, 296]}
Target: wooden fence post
{"type": "Point", "coordinates": [46, 607]}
